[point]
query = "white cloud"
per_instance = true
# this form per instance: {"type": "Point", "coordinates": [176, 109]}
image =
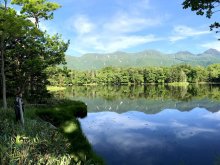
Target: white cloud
{"type": "Point", "coordinates": [183, 32]}
{"type": "Point", "coordinates": [125, 28]}
{"type": "Point", "coordinates": [213, 44]}
{"type": "Point", "coordinates": [125, 23]}
{"type": "Point", "coordinates": [81, 24]}
{"type": "Point", "coordinates": [111, 43]}
{"type": "Point", "coordinates": [123, 42]}
{"type": "Point", "coordinates": [110, 35]}
{"type": "Point", "coordinates": [44, 26]}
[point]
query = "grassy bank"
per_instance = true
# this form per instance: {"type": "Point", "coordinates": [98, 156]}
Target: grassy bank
{"type": "Point", "coordinates": [55, 137]}
{"type": "Point", "coordinates": [179, 84]}
{"type": "Point", "coordinates": [55, 88]}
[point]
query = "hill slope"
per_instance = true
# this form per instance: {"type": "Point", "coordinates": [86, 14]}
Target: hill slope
{"type": "Point", "coordinates": [145, 58]}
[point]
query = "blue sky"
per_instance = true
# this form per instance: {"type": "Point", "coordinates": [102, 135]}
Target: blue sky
{"type": "Point", "coordinates": [131, 25]}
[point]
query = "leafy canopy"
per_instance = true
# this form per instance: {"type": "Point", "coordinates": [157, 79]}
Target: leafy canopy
{"type": "Point", "coordinates": [37, 9]}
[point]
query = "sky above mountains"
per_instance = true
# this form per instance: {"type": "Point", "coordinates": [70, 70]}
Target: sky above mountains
{"type": "Point", "coordinates": [131, 25]}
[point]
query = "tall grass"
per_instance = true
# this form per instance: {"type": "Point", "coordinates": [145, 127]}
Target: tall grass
{"type": "Point", "coordinates": [33, 143]}
{"type": "Point", "coordinates": [39, 142]}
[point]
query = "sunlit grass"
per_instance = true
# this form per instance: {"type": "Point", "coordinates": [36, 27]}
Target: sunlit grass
{"type": "Point", "coordinates": [55, 88]}
{"type": "Point", "coordinates": [34, 143]}
{"type": "Point", "coordinates": [179, 84]}
{"type": "Point", "coordinates": [63, 116]}
{"type": "Point", "coordinates": [69, 127]}
{"type": "Point", "coordinates": [40, 142]}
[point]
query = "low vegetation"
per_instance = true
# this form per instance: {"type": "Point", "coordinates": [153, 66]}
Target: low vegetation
{"type": "Point", "coordinates": [51, 135]}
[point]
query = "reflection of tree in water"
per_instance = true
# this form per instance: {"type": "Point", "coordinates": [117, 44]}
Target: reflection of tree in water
{"type": "Point", "coordinates": [149, 98]}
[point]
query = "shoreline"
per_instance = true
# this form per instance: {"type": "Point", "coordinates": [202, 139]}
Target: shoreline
{"type": "Point", "coordinates": [39, 141]}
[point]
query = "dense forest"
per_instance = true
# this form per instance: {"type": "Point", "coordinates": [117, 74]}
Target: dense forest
{"type": "Point", "coordinates": [119, 76]}
{"type": "Point", "coordinates": [26, 51]}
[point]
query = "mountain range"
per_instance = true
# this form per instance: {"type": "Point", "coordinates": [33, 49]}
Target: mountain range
{"type": "Point", "coordinates": [141, 59]}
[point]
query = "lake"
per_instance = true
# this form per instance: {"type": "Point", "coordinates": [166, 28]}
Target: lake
{"type": "Point", "coordinates": [158, 125]}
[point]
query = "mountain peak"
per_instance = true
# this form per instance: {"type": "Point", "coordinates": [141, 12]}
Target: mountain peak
{"type": "Point", "coordinates": [212, 52]}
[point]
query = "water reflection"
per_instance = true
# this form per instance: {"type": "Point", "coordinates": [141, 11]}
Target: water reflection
{"type": "Point", "coordinates": [148, 99]}
{"type": "Point", "coordinates": [158, 125]}
{"type": "Point", "coordinates": [170, 137]}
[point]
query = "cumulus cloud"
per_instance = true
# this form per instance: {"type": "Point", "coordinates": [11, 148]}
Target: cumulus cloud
{"type": "Point", "coordinates": [110, 43]}
{"type": "Point", "coordinates": [181, 32]}
{"type": "Point", "coordinates": [124, 28]}
{"type": "Point", "coordinates": [117, 33]}
{"type": "Point", "coordinates": [81, 24]}
{"type": "Point", "coordinates": [124, 23]}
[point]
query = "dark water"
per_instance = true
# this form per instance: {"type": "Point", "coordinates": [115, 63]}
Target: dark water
{"type": "Point", "coordinates": [156, 125]}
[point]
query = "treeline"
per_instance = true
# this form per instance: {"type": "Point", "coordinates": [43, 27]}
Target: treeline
{"type": "Point", "coordinates": [26, 51]}
{"type": "Point", "coordinates": [137, 76]}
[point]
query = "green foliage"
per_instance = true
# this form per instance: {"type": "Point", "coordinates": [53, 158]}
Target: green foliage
{"type": "Point", "coordinates": [135, 76]}
{"type": "Point", "coordinates": [28, 51]}
{"type": "Point", "coordinates": [214, 72]}
{"type": "Point", "coordinates": [37, 9]}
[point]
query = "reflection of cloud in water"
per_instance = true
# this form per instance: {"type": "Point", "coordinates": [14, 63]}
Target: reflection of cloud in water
{"type": "Point", "coordinates": [213, 116]}
{"type": "Point", "coordinates": [177, 124]}
{"type": "Point", "coordinates": [115, 129]}
{"type": "Point", "coordinates": [150, 138]}
{"type": "Point", "coordinates": [192, 131]}
{"type": "Point", "coordinates": [185, 131]}
{"type": "Point", "coordinates": [109, 123]}
{"type": "Point", "coordinates": [128, 142]}
{"type": "Point", "coordinates": [121, 121]}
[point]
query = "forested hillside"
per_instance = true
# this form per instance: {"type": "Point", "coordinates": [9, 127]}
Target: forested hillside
{"type": "Point", "coordinates": [141, 59]}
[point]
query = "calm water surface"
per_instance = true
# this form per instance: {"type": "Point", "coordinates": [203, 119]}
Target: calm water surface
{"type": "Point", "coordinates": [156, 125]}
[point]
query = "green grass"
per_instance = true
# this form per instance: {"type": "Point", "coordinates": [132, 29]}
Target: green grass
{"type": "Point", "coordinates": [39, 142]}
{"type": "Point", "coordinates": [179, 84]}
{"type": "Point", "coordinates": [55, 88]}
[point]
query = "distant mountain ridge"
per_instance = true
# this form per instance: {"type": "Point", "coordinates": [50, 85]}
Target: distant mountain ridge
{"type": "Point", "coordinates": [141, 59]}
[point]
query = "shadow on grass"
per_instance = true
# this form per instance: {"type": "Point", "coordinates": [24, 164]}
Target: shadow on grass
{"type": "Point", "coordinates": [39, 142]}
{"type": "Point", "coordinates": [34, 143]}
{"type": "Point", "coordinates": [64, 116]}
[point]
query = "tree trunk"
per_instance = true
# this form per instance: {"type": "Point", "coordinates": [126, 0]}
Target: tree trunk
{"type": "Point", "coordinates": [3, 76]}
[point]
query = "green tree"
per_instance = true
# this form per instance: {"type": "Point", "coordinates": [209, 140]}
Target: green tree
{"type": "Point", "coordinates": [33, 55]}
{"type": "Point", "coordinates": [214, 72]}
{"type": "Point", "coordinates": [37, 9]}
{"type": "Point", "coordinates": [12, 27]}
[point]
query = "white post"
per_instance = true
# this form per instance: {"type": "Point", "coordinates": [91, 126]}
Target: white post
{"type": "Point", "coordinates": [21, 111]}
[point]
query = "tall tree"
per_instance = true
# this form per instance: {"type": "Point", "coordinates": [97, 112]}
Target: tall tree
{"type": "Point", "coordinates": [204, 7]}
{"type": "Point", "coordinates": [11, 27]}
{"type": "Point", "coordinates": [37, 9]}
{"type": "Point", "coordinates": [3, 18]}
